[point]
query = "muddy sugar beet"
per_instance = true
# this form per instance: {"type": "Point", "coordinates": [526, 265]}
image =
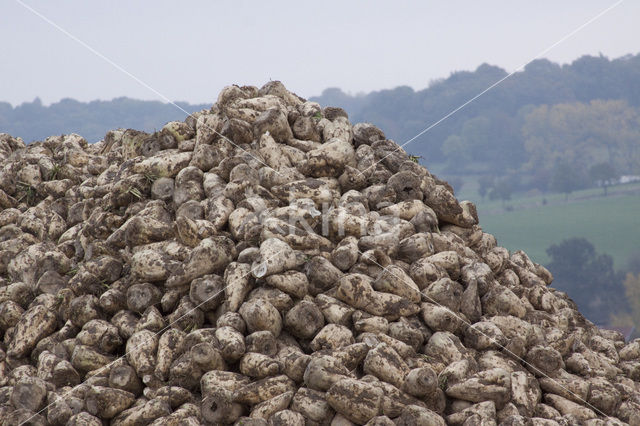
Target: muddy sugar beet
{"type": "Point", "coordinates": [266, 262]}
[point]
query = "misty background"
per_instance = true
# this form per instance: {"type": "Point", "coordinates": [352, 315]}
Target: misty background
{"type": "Point", "coordinates": [551, 155]}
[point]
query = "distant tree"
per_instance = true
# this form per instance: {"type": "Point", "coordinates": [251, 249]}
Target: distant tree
{"type": "Point", "coordinates": [502, 190]}
{"type": "Point", "coordinates": [579, 133]}
{"type": "Point", "coordinates": [485, 183]}
{"type": "Point", "coordinates": [478, 136]}
{"type": "Point", "coordinates": [540, 179]}
{"type": "Point", "coordinates": [633, 263]}
{"type": "Point", "coordinates": [456, 151]}
{"type": "Point", "coordinates": [632, 292]}
{"type": "Point", "coordinates": [566, 179]}
{"type": "Point", "coordinates": [588, 278]}
{"type": "Point", "coordinates": [604, 175]}
{"type": "Point", "coordinates": [569, 253]}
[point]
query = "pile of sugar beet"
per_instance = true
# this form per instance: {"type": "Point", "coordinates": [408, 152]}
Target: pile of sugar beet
{"type": "Point", "coordinates": [265, 262]}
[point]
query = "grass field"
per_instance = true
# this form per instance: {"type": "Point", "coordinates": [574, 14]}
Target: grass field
{"type": "Point", "coordinates": [611, 224]}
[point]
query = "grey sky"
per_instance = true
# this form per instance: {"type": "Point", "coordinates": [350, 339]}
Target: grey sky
{"type": "Point", "coordinates": [190, 50]}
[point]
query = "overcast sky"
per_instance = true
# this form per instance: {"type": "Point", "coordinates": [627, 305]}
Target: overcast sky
{"type": "Point", "coordinates": [189, 50]}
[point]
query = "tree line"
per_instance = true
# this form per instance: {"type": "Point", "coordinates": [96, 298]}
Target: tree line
{"type": "Point", "coordinates": [33, 121]}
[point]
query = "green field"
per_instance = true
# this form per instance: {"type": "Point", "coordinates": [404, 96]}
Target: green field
{"type": "Point", "coordinates": [611, 224]}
